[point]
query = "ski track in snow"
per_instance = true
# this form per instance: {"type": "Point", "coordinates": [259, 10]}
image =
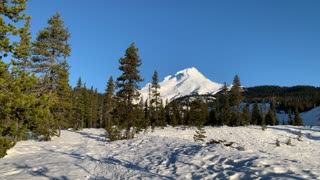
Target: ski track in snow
{"type": "Point", "coordinates": [169, 153]}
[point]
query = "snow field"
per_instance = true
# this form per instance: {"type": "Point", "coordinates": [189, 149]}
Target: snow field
{"type": "Point", "coordinates": [169, 153]}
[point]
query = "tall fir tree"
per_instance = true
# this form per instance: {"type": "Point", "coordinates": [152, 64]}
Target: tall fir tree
{"type": "Point", "coordinates": [290, 119]}
{"type": "Point", "coordinates": [22, 49]}
{"type": "Point", "coordinates": [198, 113]}
{"type": "Point", "coordinates": [271, 118]}
{"type": "Point", "coordinates": [155, 100]}
{"type": "Point", "coordinates": [78, 106]}
{"type": "Point", "coordinates": [245, 116]}
{"type": "Point", "coordinates": [146, 113]}
{"type": "Point", "coordinates": [235, 101]}
{"type": "Point", "coordinates": [297, 119]}
{"type": "Point", "coordinates": [225, 113]}
{"type": "Point", "coordinates": [128, 94]}
{"type": "Point", "coordinates": [21, 110]}
{"type": "Point", "coordinates": [108, 104]}
{"type": "Point", "coordinates": [256, 118]}
{"type": "Point", "coordinates": [86, 105]}
{"type": "Point", "coordinates": [50, 50]}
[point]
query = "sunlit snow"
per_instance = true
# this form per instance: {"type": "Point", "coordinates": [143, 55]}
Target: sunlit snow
{"type": "Point", "coordinates": [169, 153]}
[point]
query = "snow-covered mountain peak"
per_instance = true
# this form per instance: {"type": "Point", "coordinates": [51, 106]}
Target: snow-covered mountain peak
{"type": "Point", "coordinates": [189, 81]}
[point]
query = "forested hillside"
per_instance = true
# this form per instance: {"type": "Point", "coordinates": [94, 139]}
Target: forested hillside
{"type": "Point", "coordinates": [303, 98]}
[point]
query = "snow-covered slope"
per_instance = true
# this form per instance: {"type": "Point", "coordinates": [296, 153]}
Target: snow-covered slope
{"type": "Point", "coordinates": [186, 82]}
{"type": "Point", "coordinates": [169, 153]}
{"type": "Point", "coordinates": [311, 117]}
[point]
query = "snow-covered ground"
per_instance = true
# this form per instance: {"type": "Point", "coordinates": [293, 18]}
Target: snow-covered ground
{"type": "Point", "coordinates": [169, 153]}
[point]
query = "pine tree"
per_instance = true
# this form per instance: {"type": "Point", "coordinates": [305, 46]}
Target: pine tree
{"type": "Point", "coordinates": [245, 116]}
{"type": "Point", "coordinates": [213, 117]}
{"type": "Point", "coordinates": [200, 134]}
{"type": "Point", "coordinates": [174, 113]}
{"type": "Point", "coordinates": [146, 113]}
{"type": "Point", "coordinates": [91, 107]}
{"type": "Point", "coordinates": [50, 50]}
{"type": "Point", "coordinates": [62, 108]}
{"type": "Point", "coordinates": [155, 99]}
{"type": "Point", "coordinates": [21, 110]}
{"type": "Point", "coordinates": [22, 49]}
{"type": "Point", "coordinates": [256, 118]}
{"type": "Point", "coordinates": [162, 115]}
{"type": "Point", "coordinates": [235, 100]}
{"type": "Point", "coordinates": [108, 104]}
{"type": "Point", "coordinates": [199, 113]}
{"type": "Point", "coordinates": [127, 85]}
{"type": "Point", "coordinates": [78, 106]}
{"type": "Point", "coordinates": [297, 119]}
{"type": "Point", "coordinates": [95, 109]}
{"type": "Point", "coordinates": [86, 106]}
{"type": "Point", "coordinates": [271, 118]}
{"type": "Point", "coordinates": [225, 113]}
{"type": "Point", "coordinates": [11, 14]}
{"type": "Point", "coordinates": [140, 123]}
{"type": "Point", "coordinates": [290, 119]}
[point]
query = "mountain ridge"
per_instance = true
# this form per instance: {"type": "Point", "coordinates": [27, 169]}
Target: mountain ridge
{"type": "Point", "coordinates": [189, 81]}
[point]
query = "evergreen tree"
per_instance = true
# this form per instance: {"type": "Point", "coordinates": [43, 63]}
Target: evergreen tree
{"type": "Point", "coordinates": [78, 106]}
{"type": "Point", "coordinates": [245, 116]}
{"type": "Point", "coordinates": [174, 113]}
{"type": "Point", "coordinates": [297, 119]}
{"type": "Point", "coordinates": [127, 85]}
{"type": "Point", "coordinates": [225, 113]}
{"type": "Point", "coordinates": [91, 107]}
{"type": "Point", "coordinates": [213, 115]}
{"type": "Point", "coordinates": [147, 113]}
{"type": "Point", "coordinates": [108, 104]}
{"type": "Point", "coordinates": [21, 110]}
{"type": "Point", "coordinates": [199, 113]}
{"type": "Point", "coordinates": [235, 100]}
{"type": "Point", "coordinates": [50, 50]}
{"type": "Point", "coordinates": [95, 109]}
{"type": "Point", "coordinates": [155, 100]}
{"type": "Point", "coordinates": [86, 106]}
{"type": "Point", "coordinates": [271, 118]}
{"type": "Point", "coordinates": [256, 118]}
{"type": "Point", "coordinates": [140, 123]}
{"type": "Point", "coordinates": [11, 14]}
{"type": "Point", "coordinates": [162, 115]}
{"type": "Point", "coordinates": [200, 134]}
{"type": "Point", "coordinates": [290, 119]}
{"type": "Point", "coordinates": [22, 49]}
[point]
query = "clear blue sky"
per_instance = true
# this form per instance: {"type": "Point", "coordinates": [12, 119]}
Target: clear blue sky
{"type": "Point", "coordinates": [274, 42]}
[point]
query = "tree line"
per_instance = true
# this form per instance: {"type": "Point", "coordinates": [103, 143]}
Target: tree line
{"type": "Point", "coordinates": [288, 99]}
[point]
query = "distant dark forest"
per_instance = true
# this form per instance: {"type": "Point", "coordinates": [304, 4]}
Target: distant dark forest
{"type": "Point", "coordinates": [302, 98]}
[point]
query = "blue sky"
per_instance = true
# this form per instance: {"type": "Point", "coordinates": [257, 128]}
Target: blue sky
{"type": "Point", "coordinates": [265, 42]}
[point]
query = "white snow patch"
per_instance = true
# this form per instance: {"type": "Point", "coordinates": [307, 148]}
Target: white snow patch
{"type": "Point", "coordinates": [169, 153]}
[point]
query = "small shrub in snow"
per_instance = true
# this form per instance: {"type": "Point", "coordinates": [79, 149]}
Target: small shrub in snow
{"type": "Point", "coordinates": [311, 126]}
{"type": "Point", "coordinates": [277, 142]}
{"type": "Point", "coordinates": [263, 127]}
{"type": "Point", "coordinates": [289, 143]}
{"type": "Point", "coordinates": [200, 134]}
{"type": "Point", "coordinates": [299, 138]}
